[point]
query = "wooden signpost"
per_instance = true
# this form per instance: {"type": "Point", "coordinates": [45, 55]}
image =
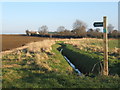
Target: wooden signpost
{"type": "Point", "coordinates": [105, 40]}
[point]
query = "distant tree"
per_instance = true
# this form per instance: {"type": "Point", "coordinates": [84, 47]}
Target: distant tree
{"type": "Point", "coordinates": [97, 30]}
{"type": "Point", "coordinates": [43, 29]}
{"type": "Point", "coordinates": [94, 33]}
{"type": "Point", "coordinates": [97, 33]}
{"type": "Point", "coordinates": [79, 26]}
{"type": "Point", "coordinates": [114, 33]}
{"type": "Point", "coordinates": [90, 30]}
{"type": "Point", "coordinates": [110, 28]}
{"type": "Point", "coordinates": [60, 29]}
{"type": "Point", "coordinates": [66, 32]}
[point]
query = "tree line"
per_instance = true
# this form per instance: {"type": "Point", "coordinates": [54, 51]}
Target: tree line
{"type": "Point", "coordinates": [79, 30]}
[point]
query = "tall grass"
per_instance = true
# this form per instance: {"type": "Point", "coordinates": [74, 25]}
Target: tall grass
{"type": "Point", "coordinates": [42, 46]}
{"type": "Point", "coordinates": [95, 45]}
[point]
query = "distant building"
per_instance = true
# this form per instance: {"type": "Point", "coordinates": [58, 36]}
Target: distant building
{"type": "Point", "coordinates": [31, 32]}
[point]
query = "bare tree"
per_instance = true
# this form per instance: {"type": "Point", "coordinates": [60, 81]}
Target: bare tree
{"type": "Point", "coordinates": [110, 28]}
{"type": "Point", "coordinates": [43, 29]}
{"type": "Point", "coordinates": [60, 29]}
{"type": "Point", "coordinates": [79, 26]}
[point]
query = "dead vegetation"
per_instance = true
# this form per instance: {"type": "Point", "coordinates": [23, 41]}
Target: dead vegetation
{"type": "Point", "coordinates": [36, 53]}
{"type": "Point", "coordinates": [95, 45]}
{"type": "Point", "coordinates": [41, 46]}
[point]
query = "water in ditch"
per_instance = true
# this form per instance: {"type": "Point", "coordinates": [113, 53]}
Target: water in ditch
{"type": "Point", "coordinates": [72, 65]}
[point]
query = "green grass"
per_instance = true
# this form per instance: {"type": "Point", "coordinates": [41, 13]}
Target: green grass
{"type": "Point", "coordinates": [113, 43]}
{"type": "Point", "coordinates": [82, 59]}
{"type": "Point", "coordinates": [32, 76]}
{"type": "Point", "coordinates": [61, 74]}
{"type": "Point", "coordinates": [85, 60]}
{"type": "Point", "coordinates": [58, 80]}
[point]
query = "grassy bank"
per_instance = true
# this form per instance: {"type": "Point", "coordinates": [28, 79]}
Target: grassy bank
{"type": "Point", "coordinates": [28, 72]}
{"type": "Point", "coordinates": [87, 55]}
{"type": "Point", "coordinates": [45, 67]}
{"type": "Point", "coordinates": [89, 62]}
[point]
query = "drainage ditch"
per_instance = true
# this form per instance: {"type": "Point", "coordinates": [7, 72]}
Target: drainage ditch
{"type": "Point", "coordinates": [81, 61]}
{"type": "Point", "coordinates": [73, 66]}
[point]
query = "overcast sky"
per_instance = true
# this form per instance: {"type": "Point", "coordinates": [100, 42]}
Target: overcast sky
{"type": "Point", "coordinates": [19, 16]}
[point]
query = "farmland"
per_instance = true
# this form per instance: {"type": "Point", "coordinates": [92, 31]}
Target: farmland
{"type": "Point", "coordinates": [14, 41]}
{"type": "Point", "coordinates": [60, 45]}
{"type": "Point", "coordinates": [41, 65]}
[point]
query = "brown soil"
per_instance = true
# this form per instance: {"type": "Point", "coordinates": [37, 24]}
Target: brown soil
{"type": "Point", "coordinates": [13, 41]}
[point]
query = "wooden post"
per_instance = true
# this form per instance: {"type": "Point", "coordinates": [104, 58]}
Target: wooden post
{"type": "Point", "coordinates": [105, 70]}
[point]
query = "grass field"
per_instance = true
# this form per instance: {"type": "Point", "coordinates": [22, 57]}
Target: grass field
{"type": "Point", "coordinates": [41, 65]}
{"type": "Point", "coordinates": [35, 71]}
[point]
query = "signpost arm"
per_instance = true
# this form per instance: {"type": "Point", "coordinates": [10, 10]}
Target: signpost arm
{"type": "Point", "coordinates": [105, 70]}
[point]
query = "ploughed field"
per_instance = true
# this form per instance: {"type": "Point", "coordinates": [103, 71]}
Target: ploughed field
{"type": "Point", "coordinates": [14, 41]}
